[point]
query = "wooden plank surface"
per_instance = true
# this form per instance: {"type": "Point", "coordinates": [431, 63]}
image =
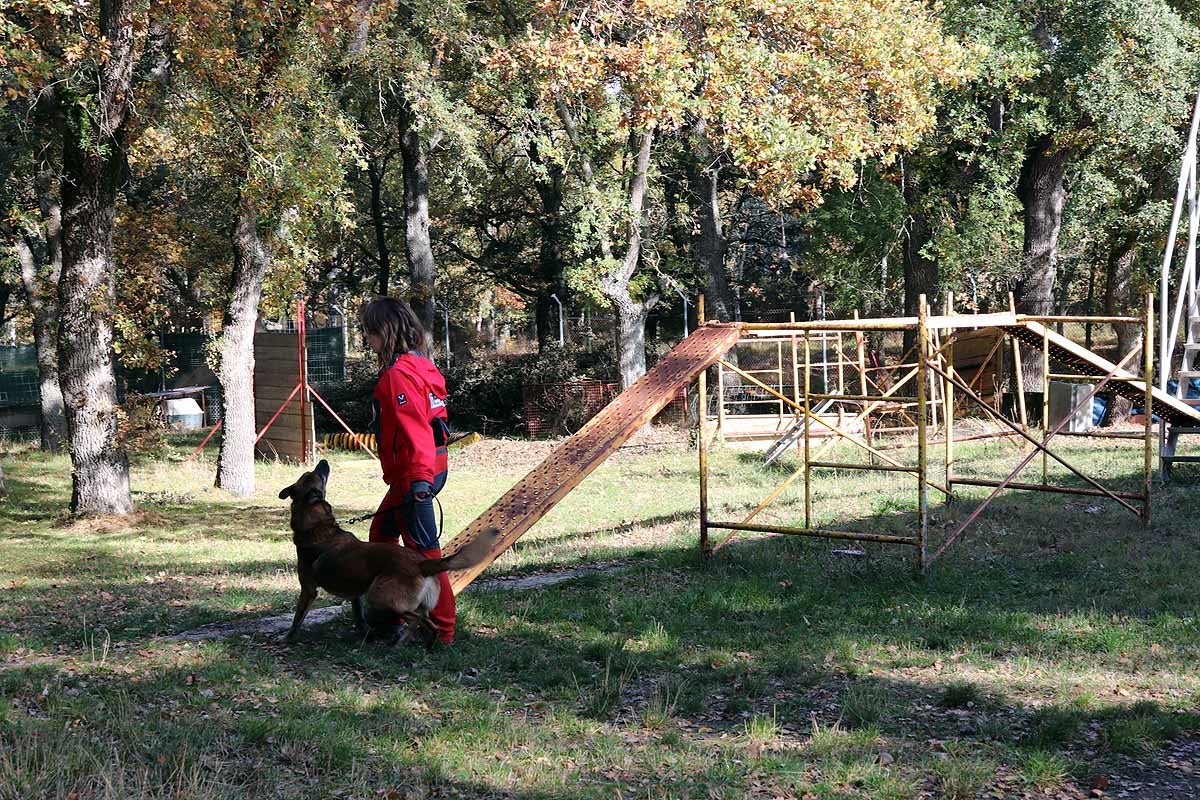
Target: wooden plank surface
{"type": "Point", "coordinates": [972, 347]}
{"type": "Point", "coordinates": [285, 434]}
{"type": "Point", "coordinates": [573, 460]}
{"type": "Point", "coordinates": [279, 371]}
{"type": "Point", "coordinates": [273, 361]}
{"type": "Point", "coordinates": [274, 392]}
{"type": "Point", "coordinates": [289, 417]}
{"type": "Point", "coordinates": [276, 373]}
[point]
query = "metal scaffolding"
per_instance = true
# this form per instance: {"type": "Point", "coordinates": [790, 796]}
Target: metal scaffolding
{"type": "Point", "coordinates": [938, 395]}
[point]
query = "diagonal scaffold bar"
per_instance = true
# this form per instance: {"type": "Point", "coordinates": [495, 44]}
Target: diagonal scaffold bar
{"type": "Point", "coordinates": [1040, 447]}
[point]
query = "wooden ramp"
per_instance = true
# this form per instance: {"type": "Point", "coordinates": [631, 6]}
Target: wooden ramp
{"type": "Point", "coordinates": [574, 459]}
{"type": "Point", "coordinates": [1085, 362]}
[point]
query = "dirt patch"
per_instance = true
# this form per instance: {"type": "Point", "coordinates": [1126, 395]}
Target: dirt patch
{"type": "Point", "coordinates": [1173, 773]}
{"type": "Point", "coordinates": [502, 454]}
{"type": "Point", "coordinates": [541, 580]}
{"type": "Point", "coordinates": [505, 454]}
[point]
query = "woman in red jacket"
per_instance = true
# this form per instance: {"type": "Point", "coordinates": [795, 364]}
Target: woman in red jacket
{"type": "Point", "coordinates": [413, 432]}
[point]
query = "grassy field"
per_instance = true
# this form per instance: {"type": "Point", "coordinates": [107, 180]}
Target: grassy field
{"type": "Point", "coordinates": [1051, 654]}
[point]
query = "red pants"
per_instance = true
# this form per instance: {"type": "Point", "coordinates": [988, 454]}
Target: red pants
{"type": "Point", "coordinates": [414, 524]}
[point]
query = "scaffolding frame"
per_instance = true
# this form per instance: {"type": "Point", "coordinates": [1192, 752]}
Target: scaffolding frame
{"type": "Point", "coordinates": [938, 392]}
{"type": "Point", "coordinates": [836, 359]}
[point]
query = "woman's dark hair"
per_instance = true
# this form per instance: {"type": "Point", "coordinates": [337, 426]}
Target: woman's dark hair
{"type": "Point", "coordinates": [394, 322]}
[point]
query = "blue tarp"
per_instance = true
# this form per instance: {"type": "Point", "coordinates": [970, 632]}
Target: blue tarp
{"type": "Point", "coordinates": [1193, 392]}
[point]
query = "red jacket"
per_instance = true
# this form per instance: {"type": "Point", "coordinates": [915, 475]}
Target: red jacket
{"type": "Point", "coordinates": [411, 419]}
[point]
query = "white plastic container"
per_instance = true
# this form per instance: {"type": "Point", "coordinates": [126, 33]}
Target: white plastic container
{"type": "Point", "coordinates": [184, 414]}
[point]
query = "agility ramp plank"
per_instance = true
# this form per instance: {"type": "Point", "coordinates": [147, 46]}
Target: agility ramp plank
{"type": "Point", "coordinates": [573, 460]}
{"type": "Point", "coordinates": [1125, 383]}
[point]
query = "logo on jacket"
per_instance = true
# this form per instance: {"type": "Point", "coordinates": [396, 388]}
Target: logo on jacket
{"type": "Point", "coordinates": [435, 401]}
{"type": "Point", "coordinates": [401, 399]}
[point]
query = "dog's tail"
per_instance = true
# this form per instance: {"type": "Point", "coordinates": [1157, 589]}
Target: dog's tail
{"type": "Point", "coordinates": [472, 553]}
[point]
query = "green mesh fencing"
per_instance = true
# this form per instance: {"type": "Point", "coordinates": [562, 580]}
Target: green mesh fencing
{"type": "Point", "coordinates": [18, 376]}
{"type": "Point", "coordinates": [326, 356]}
{"type": "Point", "coordinates": [186, 351]}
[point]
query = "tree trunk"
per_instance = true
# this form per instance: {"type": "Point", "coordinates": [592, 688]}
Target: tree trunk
{"type": "Point", "coordinates": [631, 339]}
{"type": "Point", "coordinates": [1128, 337]}
{"type": "Point", "coordinates": [53, 419]}
{"type": "Point", "coordinates": [1118, 277]}
{"type": "Point", "coordinates": [631, 315]}
{"type": "Point", "coordinates": [379, 222]}
{"type": "Point", "coordinates": [418, 247]}
{"type": "Point", "coordinates": [361, 25]}
{"type": "Point", "coordinates": [551, 250]}
{"type": "Point", "coordinates": [1118, 299]}
{"type": "Point", "coordinates": [235, 466]}
{"type": "Point", "coordinates": [709, 241]}
{"type": "Point", "coordinates": [100, 474]}
{"type": "Point", "coordinates": [541, 323]}
{"type": "Point", "coordinates": [920, 272]}
{"type": "Point", "coordinates": [1043, 197]}
{"type": "Point", "coordinates": [93, 129]}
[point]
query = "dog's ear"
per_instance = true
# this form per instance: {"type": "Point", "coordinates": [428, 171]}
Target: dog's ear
{"type": "Point", "coordinates": [286, 492]}
{"type": "Point", "coordinates": [322, 470]}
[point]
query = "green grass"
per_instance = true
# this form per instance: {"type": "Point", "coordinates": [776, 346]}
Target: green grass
{"type": "Point", "coordinates": [778, 667]}
{"type": "Point", "coordinates": [960, 775]}
{"type": "Point", "coordinates": [866, 704]}
{"type": "Point", "coordinates": [1043, 770]}
{"type": "Point", "coordinates": [961, 694]}
{"type": "Point", "coordinates": [1054, 725]}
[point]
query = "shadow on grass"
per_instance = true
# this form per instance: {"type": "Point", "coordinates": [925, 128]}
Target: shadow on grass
{"type": "Point", "coordinates": [1025, 551]}
{"type": "Point", "coordinates": [548, 542]}
{"type": "Point", "coordinates": [773, 628]}
{"type": "Point", "coordinates": [538, 692]}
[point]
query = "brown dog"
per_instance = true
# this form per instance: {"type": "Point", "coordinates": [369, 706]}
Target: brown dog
{"type": "Point", "coordinates": [392, 580]}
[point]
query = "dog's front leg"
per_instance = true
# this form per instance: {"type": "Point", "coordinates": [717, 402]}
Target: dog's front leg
{"type": "Point", "coordinates": [308, 593]}
{"type": "Point", "coordinates": [360, 616]}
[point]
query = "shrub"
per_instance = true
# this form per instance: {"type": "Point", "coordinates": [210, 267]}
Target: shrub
{"type": "Point", "coordinates": [141, 427]}
{"type": "Point", "coordinates": [486, 393]}
{"type": "Point", "coordinates": [351, 399]}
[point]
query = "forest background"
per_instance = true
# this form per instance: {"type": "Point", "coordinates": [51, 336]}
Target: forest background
{"type": "Point", "coordinates": [205, 164]}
